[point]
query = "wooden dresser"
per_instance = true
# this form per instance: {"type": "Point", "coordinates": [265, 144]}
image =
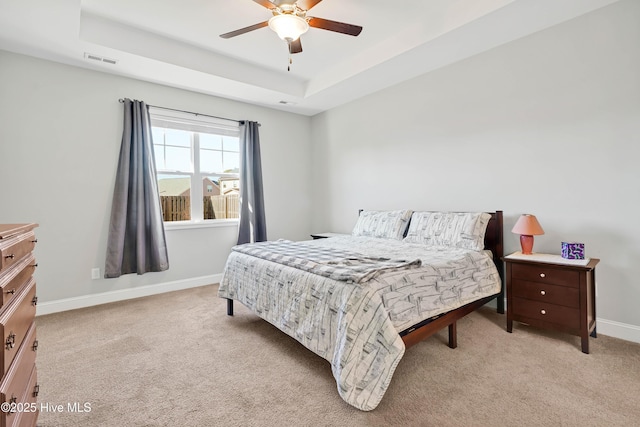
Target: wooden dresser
{"type": "Point", "coordinates": [549, 292]}
{"type": "Point", "coordinates": [18, 387]}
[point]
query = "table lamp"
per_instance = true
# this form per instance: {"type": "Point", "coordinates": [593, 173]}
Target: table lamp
{"type": "Point", "coordinates": [527, 226]}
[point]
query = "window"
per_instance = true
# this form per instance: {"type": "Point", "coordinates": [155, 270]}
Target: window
{"type": "Point", "coordinates": [198, 165]}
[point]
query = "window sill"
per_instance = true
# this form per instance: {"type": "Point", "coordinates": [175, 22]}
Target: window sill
{"type": "Point", "coordinates": [189, 225]}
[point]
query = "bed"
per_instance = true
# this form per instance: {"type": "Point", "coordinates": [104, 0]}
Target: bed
{"type": "Point", "coordinates": [359, 301]}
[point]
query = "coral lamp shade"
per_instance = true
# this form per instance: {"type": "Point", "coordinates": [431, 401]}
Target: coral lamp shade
{"type": "Point", "coordinates": [527, 226]}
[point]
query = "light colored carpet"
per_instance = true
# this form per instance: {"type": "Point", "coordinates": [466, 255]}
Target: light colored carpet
{"type": "Point", "coordinates": [177, 359]}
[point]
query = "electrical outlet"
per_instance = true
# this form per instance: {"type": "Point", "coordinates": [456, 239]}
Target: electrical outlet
{"type": "Point", "coordinates": [95, 273]}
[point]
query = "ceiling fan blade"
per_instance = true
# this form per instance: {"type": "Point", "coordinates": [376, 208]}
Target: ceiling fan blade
{"type": "Point", "coordinates": [265, 3]}
{"type": "Point", "coordinates": [295, 46]}
{"type": "Point", "coordinates": [244, 30]}
{"type": "Point", "coordinates": [307, 4]}
{"type": "Point", "coordinates": [338, 27]}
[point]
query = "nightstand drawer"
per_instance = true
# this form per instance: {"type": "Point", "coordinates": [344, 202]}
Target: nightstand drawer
{"type": "Point", "coordinates": [569, 317]}
{"type": "Point", "coordinates": [546, 274]}
{"type": "Point", "coordinates": [543, 292]}
{"type": "Point", "coordinates": [549, 292]}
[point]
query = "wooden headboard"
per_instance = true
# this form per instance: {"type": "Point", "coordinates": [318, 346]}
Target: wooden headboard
{"type": "Point", "coordinates": [493, 241]}
{"type": "Point", "coordinates": [493, 238]}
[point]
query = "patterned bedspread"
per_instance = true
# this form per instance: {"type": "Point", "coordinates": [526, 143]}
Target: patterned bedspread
{"type": "Point", "coordinates": [337, 264]}
{"type": "Point", "coordinates": [355, 325]}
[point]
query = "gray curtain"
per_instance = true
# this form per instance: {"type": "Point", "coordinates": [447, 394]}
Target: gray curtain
{"type": "Point", "coordinates": [253, 227]}
{"type": "Point", "coordinates": [136, 233]}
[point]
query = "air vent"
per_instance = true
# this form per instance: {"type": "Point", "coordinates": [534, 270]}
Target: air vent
{"type": "Point", "coordinates": [99, 58]}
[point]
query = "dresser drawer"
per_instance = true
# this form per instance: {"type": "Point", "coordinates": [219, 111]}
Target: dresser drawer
{"type": "Point", "coordinates": [15, 320]}
{"type": "Point", "coordinates": [15, 248]}
{"type": "Point", "coordinates": [15, 384]}
{"type": "Point", "coordinates": [29, 416]}
{"type": "Point", "coordinates": [546, 274]}
{"type": "Point", "coordinates": [12, 279]}
{"type": "Point", "coordinates": [569, 317]}
{"type": "Point", "coordinates": [543, 292]}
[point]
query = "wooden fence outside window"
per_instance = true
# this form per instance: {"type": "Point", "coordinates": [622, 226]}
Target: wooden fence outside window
{"type": "Point", "coordinates": [178, 208]}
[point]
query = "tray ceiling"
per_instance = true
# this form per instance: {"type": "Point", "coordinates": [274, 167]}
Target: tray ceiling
{"type": "Point", "coordinates": [177, 43]}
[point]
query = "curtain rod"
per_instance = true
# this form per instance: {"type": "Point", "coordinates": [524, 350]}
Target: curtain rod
{"type": "Point", "coordinates": [191, 112]}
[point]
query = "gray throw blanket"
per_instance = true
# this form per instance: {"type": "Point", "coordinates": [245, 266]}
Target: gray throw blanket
{"type": "Point", "coordinates": [332, 263]}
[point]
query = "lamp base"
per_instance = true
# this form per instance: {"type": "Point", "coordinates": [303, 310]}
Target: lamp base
{"type": "Point", "coordinates": [526, 243]}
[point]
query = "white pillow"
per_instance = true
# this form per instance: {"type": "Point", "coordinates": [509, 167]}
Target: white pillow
{"type": "Point", "coordinates": [382, 224]}
{"type": "Point", "coordinates": [453, 229]}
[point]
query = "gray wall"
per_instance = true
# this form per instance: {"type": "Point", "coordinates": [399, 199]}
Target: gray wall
{"type": "Point", "coordinates": [548, 124]}
{"type": "Point", "coordinates": [60, 132]}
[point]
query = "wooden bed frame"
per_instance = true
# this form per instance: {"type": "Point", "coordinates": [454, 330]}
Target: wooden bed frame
{"type": "Point", "coordinates": [493, 241]}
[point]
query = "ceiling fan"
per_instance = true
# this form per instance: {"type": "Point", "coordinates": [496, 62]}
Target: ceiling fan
{"type": "Point", "coordinates": [290, 21]}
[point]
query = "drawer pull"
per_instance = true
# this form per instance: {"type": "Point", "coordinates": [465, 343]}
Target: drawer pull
{"type": "Point", "coordinates": [543, 311]}
{"type": "Point", "coordinates": [35, 345]}
{"type": "Point", "coordinates": [34, 241]}
{"type": "Point", "coordinates": [34, 301]}
{"type": "Point", "coordinates": [543, 292]}
{"type": "Point", "coordinates": [11, 291]}
{"type": "Point", "coordinates": [543, 275]}
{"type": "Point", "coordinates": [11, 341]}
{"type": "Point", "coordinates": [36, 390]}
{"type": "Point", "coordinates": [12, 256]}
{"type": "Point", "coordinates": [35, 265]}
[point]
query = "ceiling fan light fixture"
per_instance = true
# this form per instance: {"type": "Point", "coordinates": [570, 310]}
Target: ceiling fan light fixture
{"type": "Point", "coordinates": [289, 27]}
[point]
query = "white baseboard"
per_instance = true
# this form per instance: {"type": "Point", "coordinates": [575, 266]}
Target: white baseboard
{"type": "Point", "coordinates": [605, 327]}
{"type": "Point", "coordinates": [123, 294]}
{"type": "Point", "coordinates": [623, 331]}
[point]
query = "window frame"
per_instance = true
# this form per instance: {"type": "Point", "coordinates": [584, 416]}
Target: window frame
{"type": "Point", "coordinates": [196, 124]}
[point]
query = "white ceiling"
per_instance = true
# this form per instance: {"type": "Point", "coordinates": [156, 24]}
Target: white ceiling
{"type": "Point", "coordinates": [177, 42]}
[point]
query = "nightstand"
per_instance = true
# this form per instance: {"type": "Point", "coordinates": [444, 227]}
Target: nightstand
{"type": "Point", "coordinates": [550, 292]}
{"type": "Point", "coordinates": [326, 235]}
